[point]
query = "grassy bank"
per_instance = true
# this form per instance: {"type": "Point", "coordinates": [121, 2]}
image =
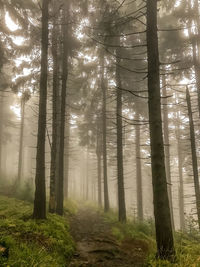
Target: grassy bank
{"type": "Point", "coordinates": [187, 244]}
{"type": "Point", "coordinates": [31, 243]}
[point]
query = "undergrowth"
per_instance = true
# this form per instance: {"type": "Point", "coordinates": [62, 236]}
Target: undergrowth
{"type": "Point", "coordinates": [33, 243]}
{"type": "Point", "coordinates": [187, 244]}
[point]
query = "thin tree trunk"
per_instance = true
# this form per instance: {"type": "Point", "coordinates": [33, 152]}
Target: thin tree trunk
{"type": "Point", "coordinates": [104, 131]}
{"type": "Point", "coordinates": [60, 196]}
{"type": "Point", "coordinates": [19, 176]}
{"type": "Point", "coordinates": [87, 174]}
{"type": "Point", "coordinates": [39, 211]}
{"type": "Point", "coordinates": [99, 179]}
{"type": "Point", "coordinates": [120, 167]}
{"type": "Point", "coordinates": [52, 199]}
{"type": "Point", "coordinates": [66, 182]}
{"type": "Point", "coordinates": [194, 156]}
{"type": "Point", "coordinates": [1, 132]}
{"type": "Point", "coordinates": [167, 147]}
{"type": "Point", "coordinates": [196, 47]}
{"type": "Point", "coordinates": [180, 171]}
{"type": "Point", "coordinates": [164, 235]}
{"type": "Point", "coordinates": [58, 118]}
{"type": "Point", "coordinates": [138, 170]}
{"type": "Point", "coordinates": [99, 153]}
{"type": "Point", "coordinates": [196, 66]}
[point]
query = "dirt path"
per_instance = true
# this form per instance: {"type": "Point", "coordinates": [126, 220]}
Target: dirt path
{"type": "Point", "coordinates": [97, 247]}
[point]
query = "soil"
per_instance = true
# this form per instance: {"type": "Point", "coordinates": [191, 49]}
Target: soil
{"type": "Point", "coordinates": [97, 247]}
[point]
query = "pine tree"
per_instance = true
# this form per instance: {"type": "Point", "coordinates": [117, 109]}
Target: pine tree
{"type": "Point", "coordinates": [164, 235]}
{"type": "Point", "coordinates": [39, 211]}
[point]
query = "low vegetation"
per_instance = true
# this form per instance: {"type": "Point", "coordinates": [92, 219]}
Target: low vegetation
{"type": "Point", "coordinates": [26, 242]}
{"type": "Point", "coordinates": [187, 244]}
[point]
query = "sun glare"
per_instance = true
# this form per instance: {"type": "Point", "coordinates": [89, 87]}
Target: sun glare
{"type": "Point", "coordinates": [10, 23]}
{"type": "Point", "coordinates": [12, 26]}
{"type": "Point", "coordinates": [18, 40]}
{"type": "Point", "coordinates": [178, 2]}
{"type": "Point", "coordinates": [16, 110]}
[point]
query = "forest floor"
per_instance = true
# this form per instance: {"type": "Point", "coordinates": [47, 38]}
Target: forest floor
{"type": "Point", "coordinates": [96, 246]}
{"type": "Point", "coordinates": [84, 237]}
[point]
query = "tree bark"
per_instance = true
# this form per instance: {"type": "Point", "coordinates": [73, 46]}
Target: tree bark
{"type": "Point", "coordinates": [196, 46]}
{"type": "Point", "coordinates": [52, 197]}
{"type": "Point", "coordinates": [99, 154]}
{"type": "Point", "coordinates": [164, 235]}
{"type": "Point", "coordinates": [194, 156]}
{"type": "Point", "coordinates": [19, 176]}
{"type": "Point", "coordinates": [39, 211]}
{"type": "Point", "coordinates": [66, 182]}
{"type": "Point", "coordinates": [196, 66]}
{"type": "Point", "coordinates": [167, 148]}
{"type": "Point", "coordinates": [87, 172]}
{"type": "Point", "coordinates": [60, 196]}
{"type": "Point", "coordinates": [104, 131]}
{"type": "Point", "coordinates": [120, 167]}
{"type": "Point", "coordinates": [138, 170]}
{"type": "Point", "coordinates": [1, 132]}
{"type": "Point", "coordinates": [180, 171]}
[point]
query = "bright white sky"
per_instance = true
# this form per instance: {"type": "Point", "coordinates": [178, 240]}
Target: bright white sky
{"type": "Point", "coordinates": [18, 41]}
{"type": "Point", "coordinates": [13, 27]}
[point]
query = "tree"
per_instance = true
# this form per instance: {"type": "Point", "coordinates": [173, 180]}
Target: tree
{"type": "Point", "coordinates": [167, 146]}
{"type": "Point", "coordinates": [120, 167]}
{"type": "Point", "coordinates": [60, 194]}
{"type": "Point", "coordinates": [52, 200]}
{"type": "Point", "coordinates": [180, 171]}
{"type": "Point", "coordinates": [99, 156]}
{"type": "Point", "coordinates": [1, 131]}
{"type": "Point", "coordinates": [67, 154]}
{"type": "Point", "coordinates": [104, 131]}
{"type": "Point", "coordinates": [138, 168]}
{"type": "Point", "coordinates": [194, 156]}
{"type": "Point", "coordinates": [24, 98]}
{"type": "Point", "coordinates": [39, 211]}
{"type": "Point", "coordinates": [164, 235]}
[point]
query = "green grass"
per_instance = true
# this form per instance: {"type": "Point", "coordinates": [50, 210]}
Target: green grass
{"type": "Point", "coordinates": [187, 244]}
{"type": "Point", "coordinates": [48, 243]}
{"type": "Point", "coordinates": [33, 243]}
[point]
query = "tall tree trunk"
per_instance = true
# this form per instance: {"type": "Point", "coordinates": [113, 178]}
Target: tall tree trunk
{"type": "Point", "coordinates": [87, 174]}
{"type": "Point", "coordinates": [60, 196]}
{"type": "Point", "coordinates": [167, 147]}
{"type": "Point", "coordinates": [1, 132]}
{"type": "Point", "coordinates": [39, 211]}
{"type": "Point", "coordinates": [180, 171]}
{"type": "Point", "coordinates": [52, 197]}
{"type": "Point", "coordinates": [196, 66]}
{"type": "Point", "coordinates": [66, 182]}
{"type": "Point", "coordinates": [99, 179]}
{"type": "Point", "coordinates": [164, 235]}
{"type": "Point", "coordinates": [99, 153]}
{"type": "Point", "coordinates": [58, 118]}
{"type": "Point", "coordinates": [120, 167]}
{"type": "Point", "coordinates": [138, 169]}
{"type": "Point", "coordinates": [104, 131]}
{"type": "Point", "coordinates": [196, 49]}
{"type": "Point", "coordinates": [194, 156]}
{"type": "Point", "coordinates": [19, 176]}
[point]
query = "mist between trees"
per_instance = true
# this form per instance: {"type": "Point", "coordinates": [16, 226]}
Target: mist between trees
{"type": "Point", "coordinates": [100, 102]}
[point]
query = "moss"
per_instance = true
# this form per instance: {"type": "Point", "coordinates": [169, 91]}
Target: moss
{"type": "Point", "coordinates": [70, 207]}
{"type": "Point", "coordinates": [30, 242]}
{"type": "Point", "coordinates": [187, 244]}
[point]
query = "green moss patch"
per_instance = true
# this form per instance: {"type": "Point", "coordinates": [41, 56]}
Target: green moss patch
{"type": "Point", "coordinates": [29, 242]}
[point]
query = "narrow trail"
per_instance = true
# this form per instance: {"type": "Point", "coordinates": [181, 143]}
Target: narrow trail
{"type": "Point", "coordinates": [97, 247]}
